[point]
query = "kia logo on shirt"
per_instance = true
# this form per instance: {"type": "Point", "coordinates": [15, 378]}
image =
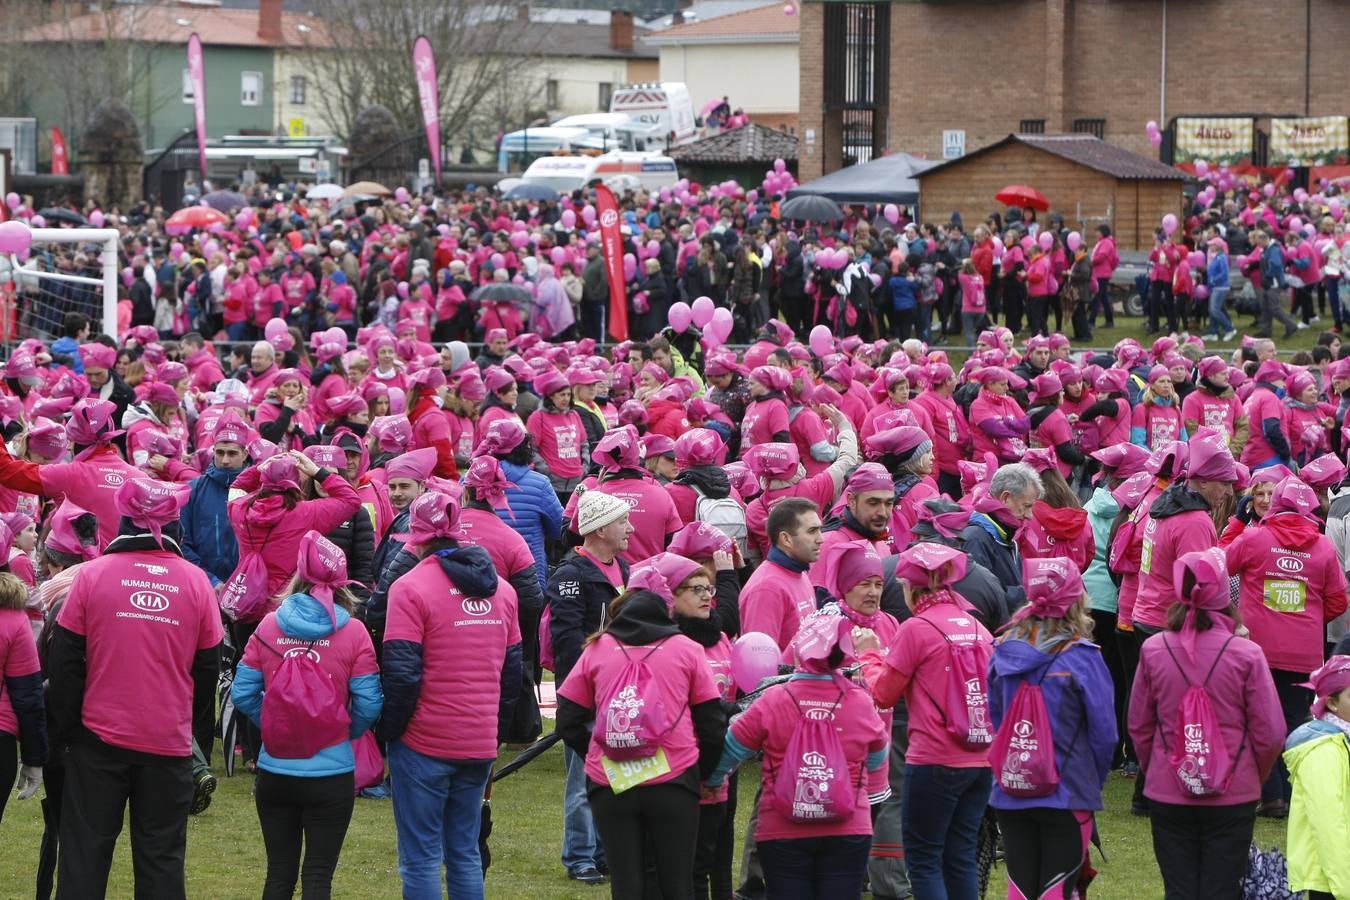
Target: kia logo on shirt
{"type": "Point", "coordinates": [476, 606]}
{"type": "Point", "coordinates": [150, 601]}
{"type": "Point", "coordinates": [303, 651]}
{"type": "Point", "coordinates": [114, 478]}
{"type": "Point", "coordinates": [1289, 564]}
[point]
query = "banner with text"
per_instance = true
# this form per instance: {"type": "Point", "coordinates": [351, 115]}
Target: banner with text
{"type": "Point", "coordinates": [60, 156]}
{"type": "Point", "coordinates": [424, 69]}
{"type": "Point", "coordinates": [197, 75]}
{"type": "Point", "coordinates": [611, 244]}
{"type": "Point", "coordinates": [1214, 140]}
{"type": "Point", "coordinates": [1319, 141]}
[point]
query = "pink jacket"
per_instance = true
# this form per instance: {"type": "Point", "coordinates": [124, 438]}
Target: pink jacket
{"type": "Point", "coordinates": [774, 600]}
{"type": "Point", "coordinates": [951, 434]}
{"type": "Point", "coordinates": [490, 415]}
{"type": "Point", "coordinates": [972, 293]}
{"type": "Point", "coordinates": [820, 489]}
{"type": "Point", "coordinates": [1164, 541]}
{"type": "Point", "coordinates": [923, 412]}
{"type": "Point", "coordinates": [988, 406]}
{"type": "Point", "coordinates": [1039, 277]}
{"type": "Point", "coordinates": [1105, 259]}
{"type": "Point", "coordinates": [92, 484]}
{"type": "Point", "coordinates": [1242, 694]}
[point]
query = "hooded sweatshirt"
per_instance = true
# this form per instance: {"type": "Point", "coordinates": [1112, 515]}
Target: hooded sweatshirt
{"type": "Point", "coordinates": [1218, 409]}
{"type": "Point", "coordinates": [1290, 586]}
{"type": "Point", "coordinates": [1178, 522]}
{"type": "Point", "coordinates": [1318, 757]}
{"type": "Point", "coordinates": [343, 651]}
{"type": "Point", "coordinates": [208, 539]}
{"type": "Point", "coordinates": [1052, 531]}
{"type": "Point", "coordinates": [1103, 592]}
{"type": "Point", "coordinates": [1079, 699]}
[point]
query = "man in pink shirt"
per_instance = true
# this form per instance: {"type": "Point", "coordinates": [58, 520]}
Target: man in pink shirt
{"type": "Point", "coordinates": [779, 594]}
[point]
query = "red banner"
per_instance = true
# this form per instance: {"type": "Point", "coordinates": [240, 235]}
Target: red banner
{"type": "Point", "coordinates": [611, 244]}
{"type": "Point", "coordinates": [197, 75]}
{"type": "Point", "coordinates": [60, 158]}
{"type": "Point", "coordinates": [424, 69]}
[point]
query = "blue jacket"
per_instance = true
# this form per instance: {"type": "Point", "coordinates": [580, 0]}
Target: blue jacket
{"type": "Point", "coordinates": [68, 346]}
{"type": "Point", "coordinates": [301, 616]}
{"type": "Point", "coordinates": [1079, 698]}
{"type": "Point", "coordinates": [988, 544]}
{"type": "Point", "coordinates": [903, 293]}
{"type": "Point", "coordinates": [1217, 271]}
{"type": "Point", "coordinates": [208, 537]}
{"type": "Point", "coordinates": [538, 514]}
{"type": "Point", "coordinates": [1272, 266]}
{"type": "Point", "coordinates": [1102, 590]}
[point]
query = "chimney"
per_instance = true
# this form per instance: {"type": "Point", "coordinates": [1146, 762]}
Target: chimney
{"type": "Point", "coordinates": [677, 17]}
{"type": "Point", "coordinates": [621, 30]}
{"type": "Point", "coordinates": [523, 12]}
{"type": "Point", "coordinates": [269, 21]}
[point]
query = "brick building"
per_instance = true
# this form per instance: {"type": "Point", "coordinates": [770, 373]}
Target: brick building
{"type": "Point", "coordinates": [880, 77]}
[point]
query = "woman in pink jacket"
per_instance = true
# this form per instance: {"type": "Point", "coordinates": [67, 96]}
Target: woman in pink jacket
{"type": "Point", "coordinates": [558, 434]}
{"type": "Point", "coordinates": [997, 423]}
{"type": "Point", "coordinates": [1105, 260]}
{"type": "Point", "coordinates": [766, 418]}
{"type": "Point", "coordinates": [23, 720]}
{"type": "Point", "coordinates": [330, 379]}
{"type": "Point", "coordinates": [1041, 289]}
{"type": "Point", "coordinates": [284, 417]}
{"type": "Point", "coordinates": [647, 808]}
{"type": "Point", "coordinates": [947, 783]}
{"type": "Point", "coordinates": [1201, 838]}
{"type": "Point", "coordinates": [430, 427]}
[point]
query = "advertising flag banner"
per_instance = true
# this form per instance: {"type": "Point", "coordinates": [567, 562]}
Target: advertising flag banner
{"type": "Point", "coordinates": [197, 75]}
{"type": "Point", "coordinates": [60, 156]}
{"type": "Point", "coordinates": [424, 69]}
{"type": "Point", "coordinates": [1214, 140]}
{"type": "Point", "coordinates": [611, 244]}
{"type": "Point", "coordinates": [1320, 141]}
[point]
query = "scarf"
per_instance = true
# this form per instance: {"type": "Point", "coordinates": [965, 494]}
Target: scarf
{"type": "Point", "coordinates": [857, 618]}
{"type": "Point", "coordinates": [1332, 719]}
{"type": "Point", "coordinates": [928, 601]}
{"type": "Point", "coordinates": [778, 557]}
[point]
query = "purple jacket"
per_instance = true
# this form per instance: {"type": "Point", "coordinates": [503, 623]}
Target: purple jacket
{"type": "Point", "coordinates": [1242, 694]}
{"type": "Point", "coordinates": [1079, 699]}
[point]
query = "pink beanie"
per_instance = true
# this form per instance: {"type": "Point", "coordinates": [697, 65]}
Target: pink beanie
{"type": "Point", "coordinates": [151, 504]}
{"type": "Point", "coordinates": [698, 447]}
{"type": "Point", "coordinates": [699, 540]}
{"type": "Point", "coordinates": [663, 574]}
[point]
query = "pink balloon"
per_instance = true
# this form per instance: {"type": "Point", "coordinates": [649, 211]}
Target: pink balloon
{"type": "Point", "coordinates": [1337, 211]}
{"type": "Point", "coordinates": [38, 222]}
{"type": "Point", "coordinates": [789, 9]}
{"type": "Point", "coordinates": [519, 239]}
{"type": "Point", "coordinates": [12, 200]}
{"type": "Point", "coordinates": [1045, 240]}
{"type": "Point", "coordinates": [1295, 223]}
{"type": "Point", "coordinates": [96, 218]}
{"type": "Point", "coordinates": [1269, 189]}
{"type": "Point", "coordinates": [821, 341]}
{"type": "Point", "coordinates": [721, 324]}
{"type": "Point", "coordinates": [680, 316]}
{"type": "Point", "coordinates": [403, 290]}
{"type": "Point", "coordinates": [498, 261]}
{"type": "Point", "coordinates": [629, 266]}
{"type": "Point", "coordinates": [1169, 223]}
{"type": "Point", "coordinates": [1200, 292]}
{"type": "Point", "coordinates": [1074, 241]}
{"type": "Point", "coordinates": [15, 238]}
{"type": "Point", "coordinates": [752, 196]}
{"type": "Point", "coordinates": [779, 166]}
{"type": "Point", "coordinates": [274, 328]}
{"type": "Point", "coordinates": [401, 194]}
{"type": "Point", "coordinates": [891, 212]}
{"type": "Point", "coordinates": [558, 255]}
{"type": "Point", "coordinates": [703, 312]}
{"type": "Point", "coordinates": [588, 215]}
{"type": "Point", "coordinates": [1196, 260]}
{"type": "Point", "coordinates": [568, 219]}
{"type": "Point", "coordinates": [1201, 168]}
{"type": "Point", "coordinates": [754, 657]}
{"type": "Point", "coordinates": [653, 248]}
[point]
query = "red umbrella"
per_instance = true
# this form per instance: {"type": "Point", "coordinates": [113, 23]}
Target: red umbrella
{"type": "Point", "coordinates": [197, 217]}
{"type": "Point", "coordinates": [1021, 195]}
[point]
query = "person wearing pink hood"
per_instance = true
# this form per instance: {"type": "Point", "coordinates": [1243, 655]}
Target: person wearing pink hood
{"type": "Point", "coordinates": [906, 452]}
{"type": "Point", "coordinates": [451, 666]}
{"type": "Point", "coordinates": [897, 397]}
{"type": "Point", "coordinates": [1050, 426]}
{"type": "Point", "coordinates": [651, 508]}
{"type": "Point", "coordinates": [766, 418]}
{"type": "Point", "coordinates": [1201, 840]}
{"type": "Point", "coordinates": [997, 423]}
{"type": "Point", "coordinates": [426, 390]}
{"type": "Point", "coordinates": [138, 615]}
{"type": "Point", "coordinates": [500, 403]}
{"type": "Point", "coordinates": [946, 782]}
{"type": "Point", "coordinates": [283, 416]}
{"type": "Point", "coordinates": [869, 501]}
{"type": "Point", "coordinates": [1290, 586]}
{"type": "Point", "coordinates": [1058, 525]}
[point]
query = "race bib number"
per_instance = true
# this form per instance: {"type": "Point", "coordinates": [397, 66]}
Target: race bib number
{"type": "Point", "coordinates": [1285, 596]}
{"type": "Point", "coordinates": [630, 773]}
{"type": "Point", "coordinates": [1146, 557]}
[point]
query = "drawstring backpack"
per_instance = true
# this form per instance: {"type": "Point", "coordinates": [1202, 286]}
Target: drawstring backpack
{"type": "Point", "coordinates": [812, 783]}
{"type": "Point", "coordinates": [631, 719]}
{"type": "Point", "coordinates": [302, 711]}
{"type": "Point", "coordinates": [1199, 758]}
{"type": "Point", "coordinates": [1023, 752]}
{"type": "Point", "coordinates": [966, 705]}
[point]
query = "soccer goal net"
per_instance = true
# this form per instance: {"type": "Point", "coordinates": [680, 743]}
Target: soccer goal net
{"type": "Point", "coordinates": [63, 270]}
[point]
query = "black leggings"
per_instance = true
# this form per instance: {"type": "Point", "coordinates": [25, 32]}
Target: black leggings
{"type": "Point", "coordinates": [661, 820]}
{"type": "Point", "coordinates": [1294, 703]}
{"type": "Point", "coordinates": [1104, 631]}
{"type": "Point", "coordinates": [1044, 850]}
{"type": "Point", "coordinates": [315, 811]}
{"type": "Point", "coordinates": [9, 767]}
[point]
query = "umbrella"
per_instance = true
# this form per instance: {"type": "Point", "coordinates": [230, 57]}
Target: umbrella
{"type": "Point", "coordinates": [367, 187]}
{"type": "Point", "coordinates": [498, 292]}
{"type": "Point", "coordinates": [1021, 195]}
{"type": "Point", "coordinates": [526, 755]}
{"type": "Point", "coordinates": [229, 719]}
{"type": "Point", "coordinates": [811, 208]}
{"type": "Point", "coordinates": [226, 201]}
{"type": "Point", "coordinates": [324, 192]}
{"type": "Point", "coordinates": [358, 198]}
{"type": "Point", "coordinates": [58, 214]}
{"type": "Point", "coordinates": [197, 217]}
{"type": "Point", "coordinates": [531, 191]}
{"type": "Point", "coordinates": [709, 107]}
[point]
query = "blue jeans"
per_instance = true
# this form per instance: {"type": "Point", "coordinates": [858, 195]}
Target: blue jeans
{"type": "Point", "coordinates": [437, 813]}
{"type": "Point", "coordinates": [238, 331]}
{"type": "Point", "coordinates": [581, 847]}
{"type": "Point", "coordinates": [1219, 323]}
{"type": "Point", "coordinates": [820, 868]}
{"type": "Point", "coordinates": [942, 811]}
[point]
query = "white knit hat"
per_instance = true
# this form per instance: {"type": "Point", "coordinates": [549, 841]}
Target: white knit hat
{"type": "Point", "coordinates": [597, 509]}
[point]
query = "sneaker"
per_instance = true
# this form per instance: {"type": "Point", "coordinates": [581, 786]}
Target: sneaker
{"type": "Point", "coordinates": [587, 875]}
{"type": "Point", "coordinates": [1230, 335]}
{"type": "Point", "coordinates": [1130, 769]}
{"type": "Point", "coordinates": [1273, 809]}
{"type": "Point", "coordinates": [1209, 337]}
{"type": "Point", "coordinates": [1304, 326]}
{"type": "Point", "coordinates": [201, 793]}
{"type": "Point", "coordinates": [1315, 320]}
{"type": "Point", "coordinates": [377, 792]}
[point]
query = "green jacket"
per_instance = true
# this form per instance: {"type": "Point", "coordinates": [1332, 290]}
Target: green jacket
{"type": "Point", "coordinates": [1318, 757]}
{"type": "Point", "coordinates": [1102, 590]}
{"type": "Point", "coordinates": [684, 370]}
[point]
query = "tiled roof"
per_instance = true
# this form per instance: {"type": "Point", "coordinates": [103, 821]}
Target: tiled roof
{"type": "Point", "coordinates": [579, 39]}
{"type": "Point", "coordinates": [1086, 150]}
{"type": "Point", "coordinates": [748, 144]}
{"type": "Point", "coordinates": [764, 24]}
{"type": "Point", "coordinates": [217, 26]}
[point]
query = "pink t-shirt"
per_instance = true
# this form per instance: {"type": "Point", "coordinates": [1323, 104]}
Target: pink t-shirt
{"type": "Point", "coordinates": [1053, 431]}
{"type": "Point", "coordinates": [769, 724]}
{"type": "Point", "coordinates": [559, 438]}
{"type": "Point", "coordinates": [144, 616]}
{"type": "Point", "coordinates": [1161, 424]}
{"type": "Point", "coordinates": [481, 528]}
{"type": "Point", "coordinates": [1262, 405]}
{"type": "Point", "coordinates": [774, 600]}
{"type": "Point", "coordinates": [18, 650]}
{"type": "Point", "coordinates": [91, 483]}
{"type": "Point", "coordinates": [763, 419]}
{"type": "Point", "coordinates": [807, 429]}
{"type": "Point", "coordinates": [680, 675]}
{"type": "Point", "coordinates": [1209, 411]}
{"type": "Point", "coordinates": [419, 310]}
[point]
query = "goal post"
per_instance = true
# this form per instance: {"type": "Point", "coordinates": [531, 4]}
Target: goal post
{"type": "Point", "coordinates": [66, 270]}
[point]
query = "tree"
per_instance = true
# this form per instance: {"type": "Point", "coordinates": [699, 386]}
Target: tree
{"type": "Point", "coordinates": [480, 47]}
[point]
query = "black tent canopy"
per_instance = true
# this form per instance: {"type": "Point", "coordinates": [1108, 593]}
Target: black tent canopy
{"type": "Point", "coordinates": [889, 179]}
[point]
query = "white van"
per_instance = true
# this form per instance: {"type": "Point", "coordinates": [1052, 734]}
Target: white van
{"type": "Point", "coordinates": [520, 148]}
{"type": "Point", "coordinates": [664, 109]}
{"type": "Point", "coordinates": [620, 170]}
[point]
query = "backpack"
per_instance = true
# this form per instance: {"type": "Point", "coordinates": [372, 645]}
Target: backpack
{"type": "Point", "coordinates": [244, 594]}
{"type": "Point", "coordinates": [812, 783]}
{"type": "Point", "coordinates": [1117, 557]}
{"type": "Point", "coordinates": [302, 711]}
{"type": "Point", "coordinates": [1199, 759]}
{"type": "Point", "coordinates": [966, 706]}
{"type": "Point", "coordinates": [724, 514]}
{"type": "Point", "coordinates": [1023, 752]}
{"type": "Point", "coordinates": [630, 719]}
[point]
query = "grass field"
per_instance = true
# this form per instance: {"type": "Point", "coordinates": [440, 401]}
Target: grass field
{"type": "Point", "coordinates": [226, 860]}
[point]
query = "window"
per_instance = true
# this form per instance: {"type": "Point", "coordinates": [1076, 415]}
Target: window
{"type": "Point", "coordinates": [250, 88]}
{"type": "Point", "coordinates": [1094, 127]}
{"type": "Point", "coordinates": [298, 90]}
{"type": "Point", "coordinates": [187, 86]}
{"type": "Point", "coordinates": [1031, 126]}
{"type": "Point", "coordinates": [606, 93]}
{"type": "Point", "coordinates": [551, 94]}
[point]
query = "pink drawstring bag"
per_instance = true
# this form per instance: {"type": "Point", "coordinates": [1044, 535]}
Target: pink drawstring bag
{"type": "Point", "coordinates": [966, 706]}
{"type": "Point", "coordinates": [1023, 753]}
{"type": "Point", "coordinates": [1198, 757]}
{"type": "Point", "coordinates": [812, 784]}
{"type": "Point", "coordinates": [369, 763]}
{"type": "Point", "coordinates": [631, 719]}
{"type": "Point", "coordinates": [302, 711]}
{"type": "Point", "coordinates": [243, 597]}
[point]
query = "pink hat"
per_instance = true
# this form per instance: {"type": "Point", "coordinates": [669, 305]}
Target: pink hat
{"type": "Point", "coordinates": [699, 540]}
{"type": "Point", "coordinates": [324, 566]}
{"type": "Point", "coordinates": [1157, 373]}
{"type": "Point", "coordinates": [974, 473]}
{"type": "Point", "coordinates": [698, 447]}
{"type": "Point", "coordinates": [286, 375]}
{"type": "Point", "coordinates": [1132, 490]}
{"type": "Point", "coordinates": [280, 473]}
{"type": "Point", "coordinates": [403, 326]}
{"type": "Point", "coordinates": [1299, 380]}
{"type": "Point", "coordinates": [656, 373]}
{"type": "Point", "coordinates": [22, 366]}
{"type": "Point", "coordinates": [1293, 496]}
{"type": "Point", "coordinates": [429, 380]}
{"type": "Point", "coordinates": [663, 574]}
{"type": "Point", "coordinates": [818, 636]}
{"type": "Point", "coordinates": [1269, 474]}
{"type": "Point", "coordinates": [654, 445]}
{"type": "Point", "coordinates": [869, 476]}
{"type": "Point", "coordinates": [16, 522]}
{"type": "Point", "coordinates": [68, 384]}
{"type": "Point", "coordinates": [581, 374]}
{"type": "Point", "coordinates": [261, 449]}
{"type": "Point", "coordinates": [1210, 457]}
{"type": "Point", "coordinates": [346, 405]}
{"type": "Point", "coordinates": [393, 434]}
{"type": "Point", "coordinates": [633, 413]}
{"type": "Point", "coordinates": [1211, 366]}
{"type": "Point", "coordinates": [1036, 342]}
{"type": "Point", "coordinates": [494, 334]}
{"type": "Point", "coordinates": [150, 504]}
{"type": "Point", "coordinates": [618, 449]}
{"type": "Point", "coordinates": [841, 373]}
{"type": "Point", "coordinates": [159, 392]}
{"type": "Point", "coordinates": [1322, 473]}
{"type": "Point", "coordinates": [988, 338]}
{"type": "Point", "coordinates": [848, 562]}
{"type": "Point", "coordinates": [904, 441]}
{"type": "Point", "coordinates": [1271, 371]}
{"type": "Point", "coordinates": [720, 364]}
{"type": "Point", "coordinates": [773, 461]}
{"type": "Point", "coordinates": [993, 374]}
{"type": "Point", "coordinates": [772, 377]}
{"type": "Point", "coordinates": [398, 402]}
{"type": "Point", "coordinates": [495, 379]}
{"type": "Point", "coordinates": [549, 382]}
{"type": "Point", "coordinates": [945, 518]}
{"type": "Point", "coordinates": [170, 372]}
{"type": "Point", "coordinates": [1069, 374]}
{"type": "Point", "coordinates": [91, 425]}
{"type": "Point", "coordinates": [1046, 386]}
{"type": "Point", "coordinates": [1162, 346]}
{"type": "Point", "coordinates": [47, 439]}
{"type": "Point", "coordinates": [701, 408]}
{"type": "Point", "coordinates": [1041, 459]}
{"type": "Point", "coordinates": [230, 432]}
{"type": "Point", "coordinates": [328, 350]}
{"type": "Point", "coordinates": [74, 530]}
{"type": "Point", "coordinates": [1169, 460]}
{"type": "Point", "coordinates": [1200, 581]}
{"type": "Point", "coordinates": [163, 444]}
{"type": "Point", "coordinates": [1053, 585]}
{"type": "Point", "coordinates": [431, 516]}
{"type": "Point", "coordinates": [326, 456]}
{"type": "Point", "coordinates": [1331, 677]}
{"type": "Point", "coordinates": [1113, 381]}
{"type": "Point", "coordinates": [469, 386]}
{"type": "Point", "coordinates": [745, 482]}
{"type": "Point", "coordinates": [97, 356]}
{"type": "Point", "coordinates": [489, 483]}
{"type": "Point", "coordinates": [501, 437]}
{"type": "Point", "coordinates": [1057, 341]}
{"type": "Point", "coordinates": [415, 464]}
{"type": "Point", "coordinates": [372, 389]}
{"type": "Point", "coordinates": [53, 408]}
{"type": "Point", "coordinates": [919, 561]}
{"type": "Point", "coordinates": [1125, 458]}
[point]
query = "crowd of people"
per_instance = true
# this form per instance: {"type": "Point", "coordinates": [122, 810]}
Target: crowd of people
{"type": "Point", "coordinates": [941, 600]}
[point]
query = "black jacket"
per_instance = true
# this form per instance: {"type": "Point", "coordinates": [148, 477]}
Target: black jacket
{"type": "Point", "coordinates": [998, 553]}
{"type": "Point", "coordinates": [356, 537]}
{"type": "Point", "coordinates": [142, 303]}
{"type": "Point", "coordinates": [578, 594]}
{"type": "Point", "coordinates": [1178, 498]}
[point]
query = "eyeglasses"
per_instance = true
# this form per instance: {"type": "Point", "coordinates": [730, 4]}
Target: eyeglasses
{"type": "Point", "coordinates": [701, 590]}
